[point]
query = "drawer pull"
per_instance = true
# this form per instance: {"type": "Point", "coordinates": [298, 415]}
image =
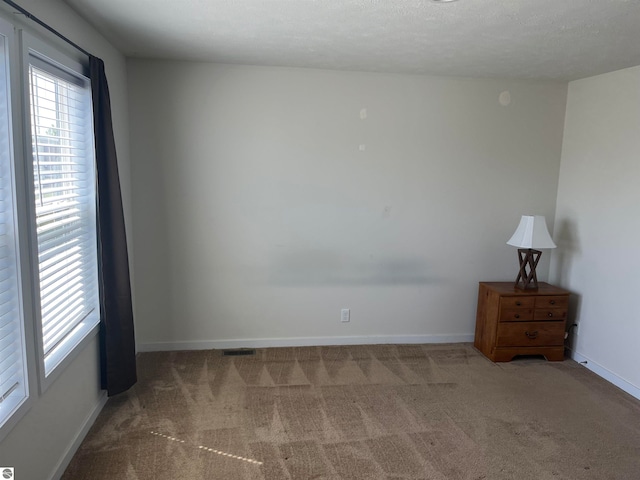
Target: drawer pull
{"type": "Point", "coordinates": [552, 302]}
{"type": "Point", "coordinates": [550, 314]}
{"type": "Point", "coordinates": [518, 304]}
{"type": "Point", "coordinates": [517, 315]}
{"type": "Point", "coordinates": [531, 335]}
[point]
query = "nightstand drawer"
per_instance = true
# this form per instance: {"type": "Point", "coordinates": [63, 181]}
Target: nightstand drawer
{"type": "Point", "coordinates": [550, 314]}
{"type": "Point", "coordinates": [530, 334]}
{"type": "Point", "coordinates": [511, 303]}
{"type": "Point", "coordinates": [552, 301]}
{"type": "Point", "coordinates": [516, 314]}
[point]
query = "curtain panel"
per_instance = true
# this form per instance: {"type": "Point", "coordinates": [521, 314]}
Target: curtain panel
{"type": "Point", "coordinates": [117, 340]}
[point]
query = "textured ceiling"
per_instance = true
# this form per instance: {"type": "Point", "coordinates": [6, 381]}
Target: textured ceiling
{"type": "Point", "coordinates": [529, 39]}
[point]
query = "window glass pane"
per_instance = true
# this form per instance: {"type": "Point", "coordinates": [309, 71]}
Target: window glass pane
{"type": "Point", "coordinates": [64, 191]}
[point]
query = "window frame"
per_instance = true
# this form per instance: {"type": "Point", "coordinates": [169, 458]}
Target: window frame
{"type": "Point", "coordinates": [31, 45]}
{"type": "Point", "coordinates": [14, 99]}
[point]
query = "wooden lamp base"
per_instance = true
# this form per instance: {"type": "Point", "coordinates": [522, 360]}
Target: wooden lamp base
{"type": "Point", "coordinates": [528, 259]}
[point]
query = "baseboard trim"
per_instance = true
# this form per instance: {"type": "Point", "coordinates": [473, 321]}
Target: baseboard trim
{"type": "Point", "coordinates": [88, 422]}
{"type": "Point", "coordinates": [608, 375]}
{"type": "Point", "coordinates": [300, 342]}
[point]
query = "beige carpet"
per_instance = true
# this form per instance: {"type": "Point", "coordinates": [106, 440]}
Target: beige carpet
{"type": "Point", "coordinates": [362, 412]}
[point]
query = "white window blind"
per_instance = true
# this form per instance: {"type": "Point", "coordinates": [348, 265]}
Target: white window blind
{"type": "Point", "coordinates": [13, 376]}
{"type": "Point", "coordinates": [64, 191]}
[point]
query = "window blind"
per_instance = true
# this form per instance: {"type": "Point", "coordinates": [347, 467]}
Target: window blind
{"type": "Point", "coordinates": [64, 191]}
{"type": "Point", "coordinates": [12, 365]}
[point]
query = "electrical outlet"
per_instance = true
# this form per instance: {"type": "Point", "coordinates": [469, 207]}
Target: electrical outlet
{"type": "Point", "coordinates": [345, 315]}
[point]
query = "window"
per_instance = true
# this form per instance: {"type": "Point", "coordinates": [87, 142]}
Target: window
{"type": "Point", "coordinates": [65, 207]}
{"type": "Point", "coordinates": [13, 377]}
{"type": "Point", "coordinates": [49, 294]}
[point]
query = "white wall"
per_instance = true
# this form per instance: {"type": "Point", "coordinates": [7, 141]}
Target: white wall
{"type": "Point", "coordinates": [41, 443]}
{"type": "Point", "coordinates": [258, 217]}
{"type": "Point", "coordinates": [598, 222]}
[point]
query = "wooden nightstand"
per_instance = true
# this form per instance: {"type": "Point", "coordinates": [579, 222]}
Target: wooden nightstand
{"type": "Point", "coordinates": [512, 322]}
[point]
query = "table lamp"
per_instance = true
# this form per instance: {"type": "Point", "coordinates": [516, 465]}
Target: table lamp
{"type": "Point", "coordinates": [530, 235]}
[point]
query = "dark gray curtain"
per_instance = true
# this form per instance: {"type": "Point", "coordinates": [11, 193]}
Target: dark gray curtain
{"type": "Point", "coordinates": [117, 341]}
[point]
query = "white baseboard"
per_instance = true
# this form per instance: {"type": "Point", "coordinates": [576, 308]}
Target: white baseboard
{"type": "Point", "coordinates": [606, 374]}
{"type": "Point", "coordinates": [300, 342]}
{"type": "Point", "coordinates": [86, 425]}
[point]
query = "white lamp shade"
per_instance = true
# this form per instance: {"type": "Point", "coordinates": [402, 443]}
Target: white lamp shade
{"type": "Point", "coordinates": [532, 233]}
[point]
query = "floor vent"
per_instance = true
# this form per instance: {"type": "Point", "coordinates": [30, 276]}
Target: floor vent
{"type": "Point", "coordinates": [234, 352]}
